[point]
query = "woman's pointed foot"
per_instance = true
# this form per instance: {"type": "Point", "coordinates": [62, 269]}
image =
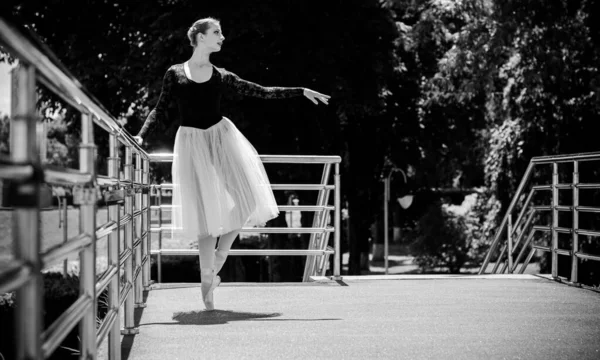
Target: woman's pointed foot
{"type": "Point", "coordinates": [208, 287]}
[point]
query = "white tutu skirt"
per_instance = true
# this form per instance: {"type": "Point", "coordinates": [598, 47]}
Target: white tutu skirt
{"type": "Point", "coordinates": [219, 182]}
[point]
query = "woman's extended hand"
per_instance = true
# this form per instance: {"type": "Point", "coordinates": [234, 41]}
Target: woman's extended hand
{"type": "Point", "coordinates": [138, 139]}
{"type": "Point", "coordinates": [313, 96]}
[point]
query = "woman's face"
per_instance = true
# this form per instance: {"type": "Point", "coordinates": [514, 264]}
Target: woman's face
{"type": "Point", "coordinates": [213, 39]}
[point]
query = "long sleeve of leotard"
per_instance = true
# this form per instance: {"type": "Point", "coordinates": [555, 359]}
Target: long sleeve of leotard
{"type": "Point", "coordinates": [243, 87]}
{"type": "Point", "coordinates": [159, 113]}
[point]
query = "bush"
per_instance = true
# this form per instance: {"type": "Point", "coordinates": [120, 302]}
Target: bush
{"type": "Point", "coordinates": [60, 292]}
{"type": "Point", "coordinates": [452, 237]}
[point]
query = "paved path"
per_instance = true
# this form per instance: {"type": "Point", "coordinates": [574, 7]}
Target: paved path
{"type": "Point", "coordinates": [522, 317]}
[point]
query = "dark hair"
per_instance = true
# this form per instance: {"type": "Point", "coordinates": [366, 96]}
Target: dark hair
{"type": "Point", "coordinates": [200, 26]}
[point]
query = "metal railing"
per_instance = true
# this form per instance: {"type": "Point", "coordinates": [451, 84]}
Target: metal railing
{"type": "Point", "coordinates": [28, 176]}
{"type": "Point", "coordinates": [318, 251]}
{"type": "Point", "coordinates": [518, 236]}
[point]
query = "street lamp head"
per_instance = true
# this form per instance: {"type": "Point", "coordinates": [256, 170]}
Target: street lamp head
{"type": "Point", "coordinates": [405, 201]}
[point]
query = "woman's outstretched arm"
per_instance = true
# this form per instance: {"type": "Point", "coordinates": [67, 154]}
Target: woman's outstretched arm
{"type": "Point", "coordinates": [159, 113]}
{"type": "Point", "coordinates": [248, 88]}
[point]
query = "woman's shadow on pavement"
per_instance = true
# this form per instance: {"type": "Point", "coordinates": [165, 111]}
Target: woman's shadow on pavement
{"type": "Point", "coordinates": [221, 317]}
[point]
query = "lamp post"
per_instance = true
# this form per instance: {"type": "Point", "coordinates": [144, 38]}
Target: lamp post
{"type": "Point", "coordinates": [404, 201]}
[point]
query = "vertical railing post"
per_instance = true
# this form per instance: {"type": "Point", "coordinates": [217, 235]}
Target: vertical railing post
{"type": "Point", "coordinates": [130, 328]}
{"type": "Point", "coordinates": [160, 224]}
{"type": "Point", "coordinates": [114, 336]}
{"type": "Point", "coordinates": [138, 241]}
{"type": "Point", "coordinates": [146, 223]}
{"type": "Point", "coordinates": [26, 218]}
{"type": "Point", "coordinates": [554, 220]}
{"type": "Point", "coordinates": [386, 199]}
{"type": "Point", "coordinates": [575, 247]}
{"type": "Point", "coordinates": [338, 256]}
{"type": "Point", "coordinates": [510, 244]}
{"type": "Point", "coordinates": [87, 224]}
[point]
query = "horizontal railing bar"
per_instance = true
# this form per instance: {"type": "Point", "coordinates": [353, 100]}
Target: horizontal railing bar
{"type": "Point", "coordinates": [587, 209]}
{"type": "Point", "coordinates": [302, 187]}
{"type": "Point", "coordinates": [61, 327]}
{"type": "Point", "coordinates": [265, 230]}
{"type": "Point", "coordinates": [563, 208]}
{"type": "Point", "coordinates": [286, 159]}
{"type": "Point", "coordinates": [563, 230]}
{"type": "Point", "coordinates": [587, 256]}
{"type": "Point", "coordinates": [564, 186]}
{"type": "Point", "coordinates": [541, 228]}
{"type": "Point", "coordinates": [106, 278]}
{"type": "Point", "coordinates": [14, 171]}
{"type": "Point", "coordinates": [107, 323]}
{"type": "Point", "coordinates": [280, 207]}
{"type": "Point", "coordinates": [124, 256]}
{"type": "Point", "coordinates": [106, 229]}
{"type": "Point", "coordinates": [57, 175]}
{"type": "Point", "coordinates": [542, 208]}
{"type": "Point", "coordinates": [588, 186]}
{"type": "Point", "coordinates": [123, 295]}
{"type": "Point", "coordinates": [563, 252]}
{"type": "Point", "coordinates": [13, 275]}
{"type": "Point", "coordinates": [157, 207]}
{"type": "Point", "coordinates": [542, 187]}
{"type": "Point", "coordinates": [161, 157]}
{"type": "Point", "coordinates": [62, 251]}
{"type": "Point", "coordinates": [588, 232]}
{"type": "Point", "coordinates": [541, 247]}
{"type": "Point", "coordinates": [566, 158]}
{"type": "Point", "coordinates": [107, 180]}
{"type": "Point", "coordinates": [300, 159]}
{"type": "Point", "coordinates": [163, 186]}
{"type": "Point", "coordinates": [305, 207]}
{"type": "Point", "coordinates": [283, 230]}
{"type": "Point", "coordinates": [248, 252]}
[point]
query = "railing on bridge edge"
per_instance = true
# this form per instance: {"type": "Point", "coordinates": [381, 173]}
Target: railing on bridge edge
{"type": "Point", "coordinates": [27, 175]}
{"type": "Point", "coordinates": [318, 251]}
{"type": "Point", "coordinates": [512, 233]}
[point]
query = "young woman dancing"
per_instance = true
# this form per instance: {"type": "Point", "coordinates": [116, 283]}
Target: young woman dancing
{"type": "Point", "coordinates": [219, 181]}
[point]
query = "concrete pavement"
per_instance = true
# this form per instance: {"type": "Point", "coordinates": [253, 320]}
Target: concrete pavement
{"type": "Point", "coordinates": [465, 317]}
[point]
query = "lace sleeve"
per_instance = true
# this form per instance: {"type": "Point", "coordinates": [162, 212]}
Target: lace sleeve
{"type": "Point", "coordinates": [243, 87]}
{"type": "Point", "coordinates": [159, 113]}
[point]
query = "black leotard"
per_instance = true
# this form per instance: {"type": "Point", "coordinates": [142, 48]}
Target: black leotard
{"type": "Point", "coordinates": [199, 103]}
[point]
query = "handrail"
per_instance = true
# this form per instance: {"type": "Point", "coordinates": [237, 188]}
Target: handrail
{"type": "Point", "coordinates": [317, 254]}
{"type": "Point", "coordinates": [555, 208]}
{"type": "Point", "coordinates": [282, 159]}
{"type": "Point", "coordinates": [28, 174]}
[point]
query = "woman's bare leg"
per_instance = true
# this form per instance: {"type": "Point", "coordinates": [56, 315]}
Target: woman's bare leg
{"type": "Point", "coordinates": [206, 252]}
{"type": "Point", "coordinates": [225, 242]}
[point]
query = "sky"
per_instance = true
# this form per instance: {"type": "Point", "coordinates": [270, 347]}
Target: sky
{"type": "Point", "coordinates": [5, 88]}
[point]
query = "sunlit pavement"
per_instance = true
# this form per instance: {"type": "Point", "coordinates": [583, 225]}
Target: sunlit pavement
{"type": "Point", "coordinates": [394, 317]}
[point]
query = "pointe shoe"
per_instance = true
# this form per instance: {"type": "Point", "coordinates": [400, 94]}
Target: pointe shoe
{"type": "Point", "coordinates": [207, 294]}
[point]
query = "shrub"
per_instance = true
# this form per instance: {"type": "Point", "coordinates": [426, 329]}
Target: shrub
{"type": "Point", "coordinates": [452, 237]}
{"type": "Point", "coordinates": [60, 292]}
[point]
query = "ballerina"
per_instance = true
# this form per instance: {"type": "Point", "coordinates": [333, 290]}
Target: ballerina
{"type": "Point", "coordinates": [219, 181]}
